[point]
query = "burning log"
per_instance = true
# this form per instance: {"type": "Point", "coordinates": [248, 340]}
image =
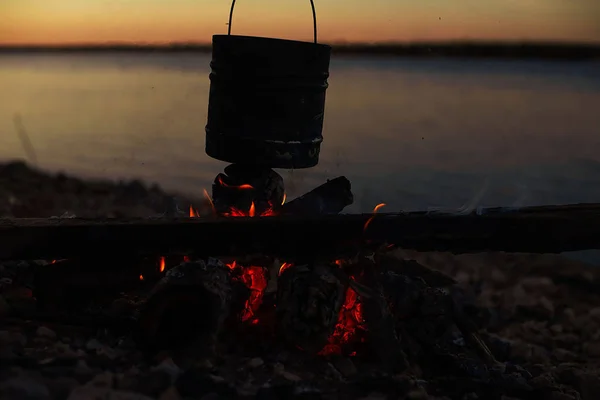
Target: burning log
{"type": "Point", "coordinates": [535, 230]}
{"type": "Point", "coordinates": [309, 300]}
{"type": "Point", "coordinates": [329, 198]}
{"type": "Point", "coordinates": [187, 308]}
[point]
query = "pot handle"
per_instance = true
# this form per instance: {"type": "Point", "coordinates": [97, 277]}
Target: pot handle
{"type": "Point", "coordinates": [314, 14]}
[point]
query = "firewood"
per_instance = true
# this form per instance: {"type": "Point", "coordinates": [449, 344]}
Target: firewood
{"type": "Point", "coordinates": [533, 230]}
{"type": "Point", "coordinates": [309, 299]}
{"type": "Point", "coordinates": [329, 198]}
{"type": "Point", "coordinates": [185, 311]}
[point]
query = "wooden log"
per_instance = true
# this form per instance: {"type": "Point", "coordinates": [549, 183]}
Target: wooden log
{"type": "Point", "coordinates": [186, 310]}
{"type": "Point", "coordinates": [532, 230]}
{"type": "Point", "coordinates": [329, 198]}
{"type": "Point", "coordinates": [309, 300]}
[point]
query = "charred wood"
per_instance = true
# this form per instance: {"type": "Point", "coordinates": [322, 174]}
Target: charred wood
{"type": "Point", "coordinates": [383, 336]}
{"type": "Point", "coordinates": [329, 198]}
{"type": "Point", "coordinates": [186, 310]}
{"type": "Point", "coordinates": [534, 230]}
{"type": "Point", "coordinates": [309, 300]}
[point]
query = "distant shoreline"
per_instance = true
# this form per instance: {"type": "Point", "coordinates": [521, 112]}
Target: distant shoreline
{"type": "Point", "coordinates": [556, 51]}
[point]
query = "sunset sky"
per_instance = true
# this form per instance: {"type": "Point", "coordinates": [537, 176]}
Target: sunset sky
{"type": "Point", "coordinates": [152, 21]}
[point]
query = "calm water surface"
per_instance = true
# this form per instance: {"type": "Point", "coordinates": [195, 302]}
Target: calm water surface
{"type": "Point", "coordinates": [411, 133]}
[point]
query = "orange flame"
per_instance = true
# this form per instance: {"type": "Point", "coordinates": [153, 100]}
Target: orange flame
{"type": "Point", "coordinates": [212, 205]}
{"type": "Point", "coordinates": [284, 266]}
{"type": "Point", "coordinates": [141, 277]}
{"type": "Point", "coordinates": [241, 187]}
{"type": "Point", "coordinates": [161, 265]}
{"type": "Point", "coordinates": [193, 213]}
{"type": "Point", "coordinates": [284, 198]}
{"type": "Point", "coordinates": [235, 212]}
{"type": "Point", "coordinates": [377, 208]}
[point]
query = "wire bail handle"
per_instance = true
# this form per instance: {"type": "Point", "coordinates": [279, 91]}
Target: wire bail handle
{"type": "Point", "coordinates": [314, 14]}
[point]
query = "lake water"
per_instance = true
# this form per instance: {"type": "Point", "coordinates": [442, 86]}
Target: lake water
{"type": "Point", "coordinates": [412, 133]}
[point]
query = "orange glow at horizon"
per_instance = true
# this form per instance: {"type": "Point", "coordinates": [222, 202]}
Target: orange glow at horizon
{"type": "Point", "coordinates": [154, 21]}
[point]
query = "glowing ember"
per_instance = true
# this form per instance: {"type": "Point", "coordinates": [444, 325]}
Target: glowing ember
{"type": "Point", "coordinates": [141, 277]}
{"type": "Point", "coordinates": [161, 264]}
{"type": "Point", "coordinates": [209, 199]}
{"type": "Point", "coordinates": [377, 208]}
{"type": "Point", "coordinates": [284, 198]}
{"type": "Point", "coordinates": [255, 279]}
{"type": "Point", "coordinates": [350, 321]}
{"type": "Point", "coordinates": [284, 266]}
{"type": "Point", "coordinates": [235, 212]}
{"type": "Point", "coordinates": [241, 187]}
{"type": "Point", "coordinates": [193, 213]}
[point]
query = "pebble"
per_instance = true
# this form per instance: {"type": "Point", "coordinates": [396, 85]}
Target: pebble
{"type": "Point", "coordinates": [592, 349]}
{"type": "Point", "coordinates": [91, 392]}
{"type": "Point", "coordinates": [4, 307]}
{"type": "Point", "coordinates": [82, 369]}
{"type": "Point", "coordinates": [417, 394]}
{"type": "Point", "coordinates": [595, 313]}
{"type": "Point", "coordinates": [61, 387]}
{"type": "Point", "coordinates": [45, 332]}
{"type": "Point", "coordinates": [498, 277]}
{"type": "Point", "coordinates": [170, 394]}
{"type": "Point", "coordinates": [24, 388]}
{"type": "Point", "coordinates": [168, 367]}
{"type": "Point", "coordinates": [345, 365]}
{"type": "Point", "coordinates": [255, 362]}
{"type": "Point", "coordinates": [374, 396]}
{"type": "Point", "coordinates": [279, 369]}
{"type": "Point", "coordinates": [103, 380]}
{"type": "Point", "coordinates": [93, 344]}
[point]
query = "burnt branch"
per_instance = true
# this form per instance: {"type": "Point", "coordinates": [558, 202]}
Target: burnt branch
{"type": "Point", "coordinates": [532, 230]}
{"type": "Point", "coordinates": [329, 198]}
{"type": "Point", "coordinates": [186, 310]}
{"type": "Point", "coordinates": [309, 300]}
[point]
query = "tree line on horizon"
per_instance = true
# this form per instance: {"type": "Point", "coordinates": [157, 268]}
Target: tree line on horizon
{"type": "Point", "coordinates": [440, 49]}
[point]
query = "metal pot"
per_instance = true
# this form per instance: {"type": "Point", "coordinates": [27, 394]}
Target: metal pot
{"type": "Point", "coordinates": [267, 100]}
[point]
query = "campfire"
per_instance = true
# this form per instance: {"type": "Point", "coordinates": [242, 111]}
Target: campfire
{"type": "Point", "coordinates": [348, 297]}
{"type": "Point", "coordinates": [235, 196]}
